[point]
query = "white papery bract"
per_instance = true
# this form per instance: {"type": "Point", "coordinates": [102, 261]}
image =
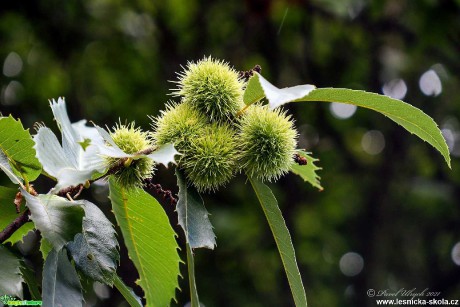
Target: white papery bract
{"type": "Point", "coordinates": [163, 154]}
{"type": "Point", "coordinates": [70, 163]}
{"type": "Point", "coordinates": [84, 150]}
{"type": "Point", "coordinates": [279, 96]}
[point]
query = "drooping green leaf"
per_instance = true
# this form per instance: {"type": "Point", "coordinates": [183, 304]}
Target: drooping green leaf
{"type": "Point", "coordinates": [308, 171]}
{"type": "Point", "coordinates": [194, 220]}
{"type": "Point", "coordinates": [8, 210]}
{"type": "Point", "coordinates": [150, 240]}
{"type": "Point", "coordinates": [193, 216]}
{"type": "Point", "coordinates": [69, 163]}
{"type": "Point", "coordinates": [95, 249]}
{"type": "Point", "coordinates": [404, 114]}
{"type": "Point", "coordinates": [17, 144]}
{"type": "Point", "coordinates": [10, 274]}
{"type": "Point", "coordinates": [58, 219]}
{"type": "Point", "coordinates": [127, 292]}
{"type": "Point", "coordinates": [411, 118]}
{"type": "Point", "coordinates": [194, 299]}
{"type": "Point", "coordinates": [282, 238]}
{"type": "Point", "coordinates": [61, 285]}
{"type": "Point", "coordinates": [29, 278]}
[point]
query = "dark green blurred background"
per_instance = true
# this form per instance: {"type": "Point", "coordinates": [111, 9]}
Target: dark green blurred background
{"type": "Point", "coordinates": [389, 216]}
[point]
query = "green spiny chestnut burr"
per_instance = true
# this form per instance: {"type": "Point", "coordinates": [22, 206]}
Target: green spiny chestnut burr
{"type": "Point", "coordinates": [212, 158]}
{"type": "Point", "coordinates": [178, 124]}
{"type": "Point", "coordinates": [132, 140]}
{"type": "Point", "coordinates": [213, 87]}
{"type": "Point", "coordinates": [268, 142]}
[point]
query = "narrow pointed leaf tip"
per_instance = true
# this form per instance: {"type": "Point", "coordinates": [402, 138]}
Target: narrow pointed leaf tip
{"type": "Point", "coordinates": [258, 87]}
{"type": "Point", "coordinates": [282, 238]}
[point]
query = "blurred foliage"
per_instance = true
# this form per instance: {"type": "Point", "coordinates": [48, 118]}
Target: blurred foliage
{"type": "Point", "coordinates": [396, 208]}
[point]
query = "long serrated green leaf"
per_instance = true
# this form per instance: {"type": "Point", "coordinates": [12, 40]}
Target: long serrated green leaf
{"type": "Point", "coordinates": [61, 285]}
{"type": "Point", "coordinates": [193, 216]}
{"type": "Point", "coordinates": [95, 249]}
{"type": "Point", "coordinates": [128, 293]}
{"type": "Point", "coordinates": [17, 145]}
{"type": "Point", "coordinates": [150, 240]}
{"type": "Point", "coordinates": [307, 171]}
{"type": "Point", "coordinates": [411, 118]}
{"type": "Point", "coordinates": [282, 238]}
{"type": "Point", "coordinates": [58, 219]}
{"type": "Point", "coordinates": [10, 274]}
{"type": "Point", "coordinates": [8, 210]}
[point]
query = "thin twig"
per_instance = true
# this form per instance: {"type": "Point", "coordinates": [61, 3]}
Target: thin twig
{"type": "Point", "coordinates": [15, 225]}
{"type": "Point", "coordinates": [246, 75]}
{"type": "Point", "coordinates": [166, 194]}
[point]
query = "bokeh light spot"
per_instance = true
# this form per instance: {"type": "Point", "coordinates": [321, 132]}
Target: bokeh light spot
{"type": "Point", "coordinates": [10, 93]}
{"type": "Point", "coordinates": [430, 84]}
{"type": "Point", "coordinates": [396, 88]}
{"type": "Point", "coordinates": [373, 142]}
{"type": "Point", "coordinates": [12, 65]}
{"type": "Point", "coordinates": [449, 137]}
{"type": "Point", "coordinates": [351, 264]}
{"type": "Point", "coordinates": [342, 110]}
{"type": "Point", "coordinates": [455, 254]}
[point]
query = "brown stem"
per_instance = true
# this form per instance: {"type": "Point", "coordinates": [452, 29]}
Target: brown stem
{"type": "Point", "coordinates": [166, 194]}
{"type": "Point", "coordinates": [15, 225]}
{"type": "Point", "coordinates": [246, 75]}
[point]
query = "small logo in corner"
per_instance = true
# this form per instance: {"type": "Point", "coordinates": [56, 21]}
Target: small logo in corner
{"type": "Point", "coordinates": [7, 298]}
